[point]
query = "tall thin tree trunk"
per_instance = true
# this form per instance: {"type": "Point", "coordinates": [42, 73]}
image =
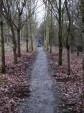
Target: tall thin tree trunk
{"type": "Point", "coordinates": [51, 30]}
{"type": "Point", "coordinates": [50, 49]}
{"type": "Point", "coordinates": [27, 44]}
{"type": "Point", "coordinates": [68, 33]}
{"type": "Point", "coordinates": [32, 44]}
{"type": "Point", "coordinates": [31, 38]}
{"type": "Point", "coordinates": [18, 40]}
{"type": "Point", "coordinates": [68, 59]}
{"type": "Point", "coordinates": [18, 35]}
{"type": "Point", "coordinates": [14, 45]}
{"type": "Point", "coordinates": [27, 36]}
{"type": "Point", "coordinates": [2, 48]}
{"type": "Point", "coordinates": [60, 34]}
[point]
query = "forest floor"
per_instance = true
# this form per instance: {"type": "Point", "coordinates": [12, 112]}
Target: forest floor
{"type": "Point", "coordinates": [14, 85]}
{"type": "Point", "coordinates": [38, 85]}
{"type": "Point", "coordinates": [71, 85]}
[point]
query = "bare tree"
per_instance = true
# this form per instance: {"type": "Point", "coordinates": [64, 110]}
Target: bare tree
{"type": "Point", "coordinates": [19, 25]}
{"type": "Point", "coordinates": [68, 35]}
{"type": "Point", "coordinates": [7, 14]}
{"type": "Point", "coordinates": [2, 46]}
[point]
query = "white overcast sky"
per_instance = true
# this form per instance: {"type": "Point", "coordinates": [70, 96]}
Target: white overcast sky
{"type": "Point", "coordinates": [40, 11]}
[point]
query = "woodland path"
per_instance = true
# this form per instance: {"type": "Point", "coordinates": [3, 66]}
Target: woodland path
{"type": "Point", "coordinates": [44, 95]}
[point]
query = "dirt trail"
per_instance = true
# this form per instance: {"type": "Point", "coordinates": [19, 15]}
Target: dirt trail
{"type": "Point", "coordinates": [44, 95]}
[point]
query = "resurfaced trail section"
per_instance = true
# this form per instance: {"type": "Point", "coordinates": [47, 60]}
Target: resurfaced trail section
{"type": "Point", "coordinates": [43, 97]}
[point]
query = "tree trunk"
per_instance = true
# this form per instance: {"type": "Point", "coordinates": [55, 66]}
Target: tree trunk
{"type": "Point", "coordinates": [27, 49]}
{"type": "Point", "coordinates": [78, 53]}
{"type": "Point", "coordinates": [27, 35]}
{"type": "Point", "coordinates": [14, 45]}
{"type": "Point", "coordinates": [18, 40]}
{"type": "Point", "coordinates": [2, 49]}
{"type": "Point", "coordinates": [68, 33]}
{"type": "Point", "coordinates": [50, 40]}
{"type": "Point", "coordinates": [32, 44]}
{"type": "Point", "coordinates": [31, 36]}
{"type": "Point", "coordinates": [68, 59]}
{"type": "Point", "coordinates": [60, 55]}
{"type": "Point", "coordinates": [60, 34]}
{"type": "Point", "coordinates": [50, 46]}
{"type": "Point", "coordinates": [51, 32]}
